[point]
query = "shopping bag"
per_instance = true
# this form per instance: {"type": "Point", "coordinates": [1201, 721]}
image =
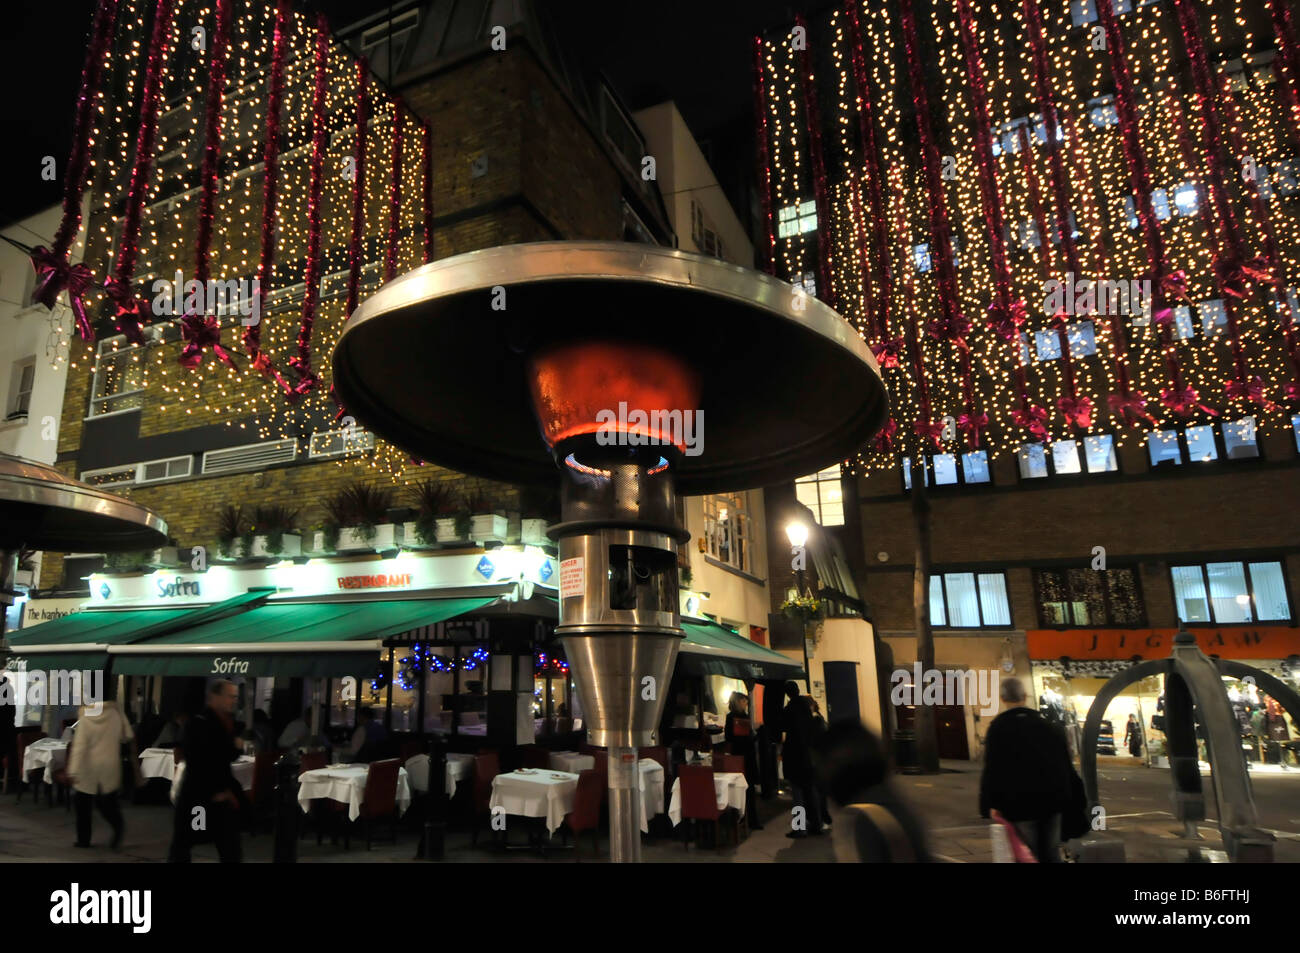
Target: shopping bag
{"type": "Point", "coordinates": [1020, 853]}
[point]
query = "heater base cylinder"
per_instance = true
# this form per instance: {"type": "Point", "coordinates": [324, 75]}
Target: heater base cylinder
{"type": "Point", "coordinates": [624, 806]}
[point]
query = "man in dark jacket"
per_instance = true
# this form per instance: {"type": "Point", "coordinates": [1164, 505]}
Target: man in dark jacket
{"type": "Point", "coordinates": [209, 798]}
{"type": "Point", "coordinates": [796, 760]}
{"type": "Point", "coordinates": [1027, 773]}
{"type": "Point", "coordinates": [8, 708]}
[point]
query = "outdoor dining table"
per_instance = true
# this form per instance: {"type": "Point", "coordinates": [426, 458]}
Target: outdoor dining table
{"type": "Point", "coordinates": [48, 753]}
{"type": "Point", "coordinates": [729, 786]}
{"type": "Point", "coordinates": [571, 761]}
{"type": "Point", "coordinates": [459, 768]}
{"type": "Point", "coordinates": [346, 783]}
{"type": "Point", "coordinates": [538, 792]}
{"type": "Point", "coordinates": [158, 763]}
{"type": "Point", "coordinates": [241, 768]}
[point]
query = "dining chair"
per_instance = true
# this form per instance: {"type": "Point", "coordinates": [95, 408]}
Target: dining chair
{"type": "Point", "coordinates": [729, 763]}
{"type": "Point", "coordinates": [486, 767]}
{"type": "Point", "coordinates": [699, 799]}
{"type": "Point", "coordinates": [311, 761]}
{"type": "Point", "coordinates": [62, 784]}
{"type": "Point", "coordinates": [21, 741]}
{"type": "Point", "coordinates": [262, 795]}
{"type": "Point", "coordinates": [585, 815]}
{"type": "Point", "coordinates": [379, 800]}
{"type": "Point", "coordinates": [409, 749]}
{"type": "Point", "coordinates": [535, 756]}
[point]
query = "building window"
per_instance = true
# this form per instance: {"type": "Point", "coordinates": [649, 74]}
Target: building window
{"type": "Point", "coordinates": [1065, 457]}
{"type": "Point", "coordinates": [1082, 336]}
{"type": "Point", "coordinates": [119, 377]}
{"type": "Point", "coordinates": [1200, 443]}
{"type": "Point", "coordinates": [20, 390]}
{"type": "Point", "coordinates": [1295, 426]}
{"type": "Point", "coordinates": [822, 493]}
{"type": "Point", "coordinates": [796, 219]}
{"type": "Point", "coordinates": [807, 283]}
{"type": "Point", "coordinates": [728, 531]}
{"type": "Point", "coordinates": [1101, 112]}
{"type": "Point", "coordinates": [968, 600]}
{"type": "Point", "coordinates": [1214, 317]}
{"type": "Point", "coordinates": [1159, 205]}
{"type": "Point", "coordinates": [1088, 597]}
{"type": "Point", "coordinates": [921, 257]}
{"type": "Point", "coordinates": [946, 469]}
{"type": "Point", "coordinates": [1226, 592]}
{"type": "Point", "coordinates": [1186, 201]}
{"type": "Point", "coordinates": [1085, 11]}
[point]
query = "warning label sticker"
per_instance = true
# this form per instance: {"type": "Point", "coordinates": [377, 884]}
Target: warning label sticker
{"type": "Point", "coordinates": [573, 577]}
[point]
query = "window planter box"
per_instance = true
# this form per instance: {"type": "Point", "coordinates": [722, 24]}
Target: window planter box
{"type": "Point", "coordinates": [387, 536]}
{"type": "Point", "coordinates": [168, 557]}
{"type": "Point", "coordinates": [25, 578]}
{"type": "Point", "coordinates": [488, 528]}
{"type": "Point", "coordinates": [411, 539]}
{"type": "Point", "coordinates": [532, 532]}
{"type": "Point", "coordinates": [290, 546]}
{"type": "Point", "coordinates": [447, 531]}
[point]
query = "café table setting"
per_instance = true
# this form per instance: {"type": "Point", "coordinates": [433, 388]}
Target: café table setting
{"type": "Point", "coordinates": [460, 767]}
{"type": "Point", "coordinates": [47, 754]}
{"type": "Point", "coordinates": [730, 787]}
{"type": "Point", "coordinates": [346, 783]}
{"type": "Point", "coordinates": [549, 793]}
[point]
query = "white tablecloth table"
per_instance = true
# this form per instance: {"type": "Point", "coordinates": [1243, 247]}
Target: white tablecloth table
{"type": "Point", "coordinates": [346, 783]}
{"type": "Point", "coordinates": [48, 753]}
{"type": "Point", "coordinates": [158, 763]}
{"type": "Point", "coordinates": [730, 788]}
{"type": "Point", "coordinates": [571, 761]}
{"type": "Point", "coordinates": [241, 768]}
{"type": "Point", "coordinates": [549, 794]}
{"type": "Point", "coordinates": [460, 767]}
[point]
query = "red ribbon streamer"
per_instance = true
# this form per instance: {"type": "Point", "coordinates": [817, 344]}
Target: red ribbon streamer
{"type": "Point", "coordinates": [131, 312]}
{"type": "Point", "coordinates": [869, 149]}
{"type": "Point", "coordinates": [301, 362]}
{"type": "Point", "coordinates": [427, 156]}
{"type": "Point", "coordinates": [270, 194]}
{"type": "Point", "coordinates": [1289, 60]}
{"type": "Point", "coordinates": [358, 188]}
{"type": "Point", "coordinates": [812, 116]}
{"type": "Point", "coordinates": [767, 253]}
{"type": "Point", "coordinates": [394, 195]}
{"type": "Point", "coordinates": [54, 272]}
{"type": "Point", "coordinates": [197, 331]}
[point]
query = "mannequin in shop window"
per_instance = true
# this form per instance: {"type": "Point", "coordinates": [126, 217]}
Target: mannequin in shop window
{"type": "Point", "coordinates": [1133, 736]}
{"type": "Point", "coordinates": [1051, 706]}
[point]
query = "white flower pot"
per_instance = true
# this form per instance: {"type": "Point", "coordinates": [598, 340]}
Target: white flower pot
{"type": "Point", "coordinates": [532, 532]}
{"type": "Point", "coordinates": [488, 528]}
{"type": "Point", "coordinates": [168, 557]}
{"type": "Point", "coordinates": [290, 546]}
{"type": "Point", "coordinates": [447, 530]}
{"type": "Point", "coordinates": [386, 536]}
{"type": "Point", "coordinates": [411, 538]}
{"type": "Point", "coordinates": [25, 578]}
{"type": "Point", "coordinates": [318, 541]}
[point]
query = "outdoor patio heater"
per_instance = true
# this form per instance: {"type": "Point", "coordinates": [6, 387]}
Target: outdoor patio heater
{"type": "Point", "coordinates": [636, 372]}
{"type": "Point", "coordinates": [42, 509]}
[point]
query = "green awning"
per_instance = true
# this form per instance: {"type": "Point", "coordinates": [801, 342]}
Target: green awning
{"type": "Point", "coordinates": [711, 649]}
{"type": "Point", "coordinates": [320, 639]}
{"type": "Point", "coordinates": [80, 640]}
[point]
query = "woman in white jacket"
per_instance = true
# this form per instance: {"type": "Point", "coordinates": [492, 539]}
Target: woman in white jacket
{"type": "Point", "coordinates": [95, 766]}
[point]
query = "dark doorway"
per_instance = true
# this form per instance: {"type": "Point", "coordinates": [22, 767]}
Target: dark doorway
{"type": "Point", "coordinates": [841, 691]}
{"type": "Point", "coordinates": [949, 726]}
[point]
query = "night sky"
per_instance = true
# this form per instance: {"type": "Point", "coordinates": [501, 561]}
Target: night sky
{"type": "Point", "coordinates": [697, 53]}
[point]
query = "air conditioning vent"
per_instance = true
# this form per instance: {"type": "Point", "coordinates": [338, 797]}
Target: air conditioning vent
{"type": "Point", "coordinates": [156, 471]}
{"type": "Point", "coordinates": [253, 456]}
{"type": "Point", "coordinates": [340, 443]}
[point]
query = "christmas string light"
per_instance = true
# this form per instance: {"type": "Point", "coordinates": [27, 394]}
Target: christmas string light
{"type": "Point", "coordinates": [767, 250]}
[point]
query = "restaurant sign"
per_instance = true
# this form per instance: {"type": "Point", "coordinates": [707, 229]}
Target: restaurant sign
{"type": "Point", "coordinates": [1231, 642]}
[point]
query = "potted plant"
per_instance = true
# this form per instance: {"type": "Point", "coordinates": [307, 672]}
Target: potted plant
{"type": "Point", "coordinates": [487, 522]}
{"type": "Point", "coordinates": [806, 609]}
{"type": "Point", "coordinates": [358, 520]}
{"type": "Point", "coordinates": [26, 575]}
{"type": "Point", "coordinates": [125, 563]}
{"type": "Point", "coordinates": [232, 525]}
{"type": "Point", "coordinates": [432, 499]}
{"type": "Point", "coordinates": [273, 533]}
{"type": "Point", "coordinates": [166, 557]}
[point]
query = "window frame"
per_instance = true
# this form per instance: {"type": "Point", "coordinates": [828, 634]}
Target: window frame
{"type": "Point", "coordinates": [1039, 602]}
{"type": "Point", "coordinates": [905, 472]}
{"type": "Point", "coordinates": [1050, 459]}
{"type": "Point", "coordinates": [17, 396]}
{"type": "Point", "coordinates": [744, 535]}
{"type": "Point", "coordinates": [943, 574]}
{"type": "Point", "coordinates": [815, 480]}
{"type": "Point", "coordinates": [1244, 562]}
{"type": "Point", "coordinates": [1220, 447]}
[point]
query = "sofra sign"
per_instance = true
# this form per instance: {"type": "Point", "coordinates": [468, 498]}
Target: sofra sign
{"type": "Point", "coordinates": [229, 666]}
{"type": "Point", "coordinates": [169, 586]}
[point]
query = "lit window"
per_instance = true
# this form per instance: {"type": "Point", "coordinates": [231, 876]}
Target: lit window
{"type": "Point", "coordinates": [1295, 426]}
{"type": "Point", "coordinates": [807, 283]}
{"type": "Point", "coordinates": [1163, 447]}
{"type": "Point", "coordinates": [823, 493]}
{"type": "Point", "coordinates": [1101, 112]}
{"type": "Point", "coordinates": [1183, 327]}
{"type": "Point", "coordinates": [1227, 592]}
{"type": "Point", "coordinates": [1027, 234]}
{"type": "Point", "coordinates": [921, 257]}
{"type": "Point", "coordinates": [1033, 461]}
{"type": "Point", "coordinates": [1214, 317]}
{"type": "Point", "coordinates": [728, 529]}
{"type": "Point", "coordinates": [1239, 439]}
{"type": "Point", "coordinates": [1088, 597]}
{"type": "Point", "coordinates": [1024, 348]}
{"type": "Point", "coordinates": [967, 600]}
{"type": "Point", "coordinates": [1185, 199]}
{"type": "Point", "coordinates": [796, 219]}
{"type": "Point", "coordinates": [1065, 457]}
{"type": "Point", "coordinates": [1200, 443]}
{"type": "Point", "coordinates": [1083, 338]}
{"type": "Point", "coordinates": [1286, 177]}
{"type": "Point", "coordinates": [975, 466]}
{"type": "Point", "coordinates": [945, 469]}
{"type": "Point", "coordinates": [1099, 451]}
{"type": "Point", "coordinates": [1047, 345]}
{"type": "Point", "coordinates": [20, 388]}
{"type": "Point", "coordinates": [1159, 205]}
{"type": "Point", "coordinates": [118, 382]}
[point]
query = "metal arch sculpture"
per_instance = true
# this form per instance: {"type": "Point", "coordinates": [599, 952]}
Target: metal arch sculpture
{"type": "Point", "coordinates": [1193, 685]}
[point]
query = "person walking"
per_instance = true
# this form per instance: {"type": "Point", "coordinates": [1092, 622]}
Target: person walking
{"type": "Point", "coordinates": [8, 733]}
{"type": "Point", "coordinates": [875, 824]}
{"type": "Point", "coordinates": [95, 767]}
{"type": "Point", "coordinates": [207, 805]}
{"type": "Point", "coordinates": [1027, 773]}
{"type": "Point", "coordinates": [739, 734]}
{"type": "Point", "coordinates": [1133, 736]}
{"type": "Point", "coordinates": [796, 759]}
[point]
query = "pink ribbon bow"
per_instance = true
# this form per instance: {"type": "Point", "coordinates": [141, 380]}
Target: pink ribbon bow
{"type": "Point", "coordinates": [1185, 401]}
{"type": "Point", "coordinates": [1131, 407]}
{"type": "Point", "coordinates": [888, 352]}
{"type": "Point", "coordinates": [200, 331]}
{"type": "Point", "coordinates": [1006, 324]}
{"type": "Point", "coordinates": [307, 380]}
{"type": "Point", "coordinates": [1251, 389]}
{"type": "Point", "coordinates": [131, 311]}
{"type": "Point", "coordinates": [971, 424]}
{"type": "Point", "coordinates": [884, 441]}
{"type": "Point", "coordinates": [1076, 410]}
{"type": "Point", "coordinates": [1033, 419]}
{"type": "Point", "coordinates": [54, 273]}
{"type": "Point", "coordinates": [1236, 276]}
{"type": "Point", "coordinates": [931, 430]}
{"type": "Point", "coordinates": [954, 330]}
{"type": "Point", "coordinates": [1174, 285]}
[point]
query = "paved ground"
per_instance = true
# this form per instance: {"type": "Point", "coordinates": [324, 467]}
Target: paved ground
{"type": "Point", "coordinates": [1136, 798]}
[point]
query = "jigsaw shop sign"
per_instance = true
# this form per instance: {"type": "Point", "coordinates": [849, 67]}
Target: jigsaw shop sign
{"type": "Point", "coordinates": [1231, 642]}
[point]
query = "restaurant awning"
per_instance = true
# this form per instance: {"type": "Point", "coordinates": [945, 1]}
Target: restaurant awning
{"type": "Point", "coordinates": [711, 649]}
{"type": "Point", "coordinates": [300, 639]}
{"type": "Point", "coordinates": [81, 640]}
